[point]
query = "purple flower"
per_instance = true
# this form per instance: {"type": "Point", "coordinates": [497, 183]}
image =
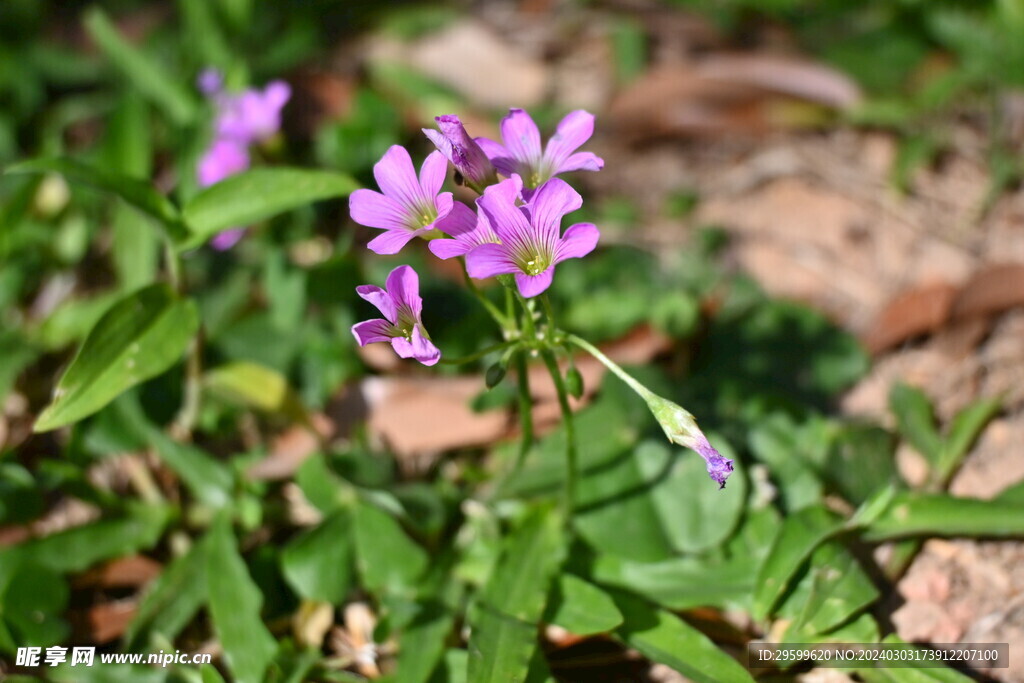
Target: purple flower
{"type": "Point", "coordinates": [401, 325]}
{"type": "Point", "coordinates": [252, 115]}
{"type": "Point", "coordinates": [680, 427]}
{"type": "Point", "coordinates": [530, 245]}
{"type": "Point", "coordinates": [469, 229]}
{"type": "Point", "coordinates": [409, 206]}
{"type": "Point", "coordinates": [718, 466]}
{"type": "Point", "coordinates": [522, 152]}
{"type": "Point", "coordinates": [224, 158]}
{"type": "Point", "coordinates": [465, 154]}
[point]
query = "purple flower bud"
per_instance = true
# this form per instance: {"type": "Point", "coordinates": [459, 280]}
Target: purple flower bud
{"type": "Point", "coordinates": [680, 427]}
{"type": "Point", "coordinates": [463, 151]}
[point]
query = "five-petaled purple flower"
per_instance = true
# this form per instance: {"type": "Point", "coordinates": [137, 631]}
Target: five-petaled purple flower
{"type": "Point", "coordinates": [469, 229]}
{"type": "Point", "coordinates": [522, 153]}
{"type": "Point", "coordinates": [242, 119]}
{"type": "Point", "coordinates": [531, 244]}
{"type": "Point", "coordinates": [463, 151]}
{"type": "Point", "coordinates": [401, 325]}
{"type": "Point", "coordinates": [408, 206]}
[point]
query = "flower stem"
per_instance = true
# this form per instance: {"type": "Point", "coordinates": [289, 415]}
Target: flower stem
{"type": "Point", "coordinates": [643, 391]}
{"type": "Point", "coordinates": [479, 354]}
{"type": "Point", "coordinates": [570, 432]}
{"type": "Point", "coordinates": [525, 410]}
{"type": "Point", "coordinates": [550, 313]}
{"type": "Point", "coordinates": [503, 322]}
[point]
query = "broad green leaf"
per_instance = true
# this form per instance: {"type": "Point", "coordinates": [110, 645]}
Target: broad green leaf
{"type": "Point", "coordinates": [318, 563]}
{"type": "Point", "coordinates": [235, 601]}
{"type": "Point", "coordinates": [504, 623]}
{"type": "Point", "coordinates": [171, 600]}
{"type": "Point", "coordinates": [834, 588]}
{"type": "Point", "coordinates": [146, 76]}
{"type": "Point", "coordinates": [322, 487]}
{"type": "Point", "coordinates": [139, 337]}
{"type": "Point", "coordinates": [963, 431]}
{"type": "Point", "coordinates": [423, 642]}
{"type": "Point", "coordinates": [16, 353]}
{"type": "Point", "coordinates": [916, 421]}
{"type": "Point", "coordinates": [581, 607]}
{"type": "Point", "coordinates": [256, 195]}
{"type": "Point", "coordinates": [204, 35]}
{"type": "Point", "coordinates": [388, 560]}
{"type": "Point", "coordinates": [32, 606]}
{"type": "Point", "coordinates": [915, 514]}
{"type": "Point", "coordinates": [861, 460]}
{"type": "Point", "coordinates": [800, 534]}
{"type": "Point", "coordinates": [140, 194]}
{"type": "Point", "coordinates": [71, 321]}
{"type": "Point", "coordinates": [99, 673]}
{"type": "Point", "coordinates": [663, 637]}
{"type": "Point", "coordinates": [255, 386]}
{"type": "Point", "coordinates": [796, 455]}
{"type": "Point", "coordinates": [681, 582]}
{"type": "Point", "coordinates": [78, 548]}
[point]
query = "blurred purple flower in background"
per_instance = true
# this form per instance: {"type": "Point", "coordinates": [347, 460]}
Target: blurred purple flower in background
{"type": "Point", "coordinates": [531, 243]}
{"type": "Point", "coordinates": [401, 325]}
{"type": "Point", "coordinates": [463, 151]}
{"type": "Point", "coordinates": [408, 206]}
{"type": "Point", "coordinates": [522, 153]}
{"type": "Point", "coordinates": [242, 119]}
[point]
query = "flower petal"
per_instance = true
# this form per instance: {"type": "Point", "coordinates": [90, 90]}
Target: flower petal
{"type": "Point", "coordinates": [499, 156]}
{"type": "Point", "coordinates": [224, 158]}
{"type": "Point", "coordinates": [532, 285]}
{"type": "Point", "coordinates": [421, 348]}
{"type": "Point", "coordinates": [443, 203]}
{"type": "Point", "coordinates": [432, 173]}
{"type": "Point", "coordinates": [489, 260]}
{"type": "Point", "coordinates": [579, 240]}
{"type": "Point", "coordinates": [581, 161]}
{"type": "Point", "coordinates": [521, 137]}
{"type": "Point", "coordinates": [573, 130]}
{"type": "Point", "coordinates": [396, 177]}
{"type": "Point", "coordinates": [226, 239]}
{"type": "Point", "coordinates": [370, 331]}
{"type": "Point", "coordinates": [510, 224]}
{"type": "Point", "coordinates": [391, 241]}
{"type": "Point", "coordinates": [446, 249]}
{"type": "Point", "coordinates": [459, 221]}
{"type": "Point", "coordinates": [549, 203]}
{"type": "Point", "coordinates": [374, 210]}
{"type": "Point", "coordinates": [379, 298]}
{"type": "Point", "coordinates": [718, 466]}
{"type": "Point", "coordinates": [403, 285]}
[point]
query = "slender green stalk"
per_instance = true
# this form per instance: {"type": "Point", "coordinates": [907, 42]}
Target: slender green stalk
{"type": "Point", "coordinates": [644, 392]}
{"type": "Point", "coordinates": [193, 389]}
{"type": "Point", "coordinates": [525, 410]}
{"type": "Point", "coordinates": [479, 354]}
{"type": "Point", "coordinates": [503, 322]}
{"type": "Point", "coordinates": [173, 267]}
{"type": "Point", "coordinates": [550, 313]}
{"type": "Point", "coordinates": [571, 465]}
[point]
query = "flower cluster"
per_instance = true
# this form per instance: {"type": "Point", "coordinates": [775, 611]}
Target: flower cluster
{"type": "Point", "coordinates": [242, 120]}
{"type": "Point", "coordinates": [515, 227]}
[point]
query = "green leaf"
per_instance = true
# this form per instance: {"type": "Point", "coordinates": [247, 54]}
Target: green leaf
{"type": "Point", "coordinates": [682, 582]}
{"type": "Point", "coordinates": [322, 487]}
{"type": "Point", "coordinates": [140, 194]}
{"type": "Point", "coordinates": [79, 548]}
{"type": "Point", "coordinates": [964, 431]}
{"type": "Point", "coordinates": [834, 589]}
{"type": "Point", "coordinates": [800, 534]}
{"type": "Point", "coordinates": [911, 674]}
{"type": "Point", "coordinates": [662, 637]}
{"type": "Point", "coordinates": [581, 607]}
{"type": "Point", "coordinates": [423, 642]}
{"type": "Point", "coordinates": [795, 453]}
{"type": "Point", "coordinates": [255, 386]}
{"type": "Point", "coordinates": [32, 605]}
{"type": "Point", "coordinates": [388, 560]}
{"type": "Point", "coordinates": [318, 563]}
{"type": "Point", "coordinates": [139, 337]}
{"type": "Point", "coordinates": [146, 76]}
{"type": "Point", "coordinates": [235, 602]}
{"type": "Point", "coordinates": [916, 421]}
{"type": "Point", "coordinates": [171, 600]}
{"type": "Point", "coordinates": [256, 195]}
{"type": "Point", "coordinates": [861, 460]}
{"type": "Point", "coordinates": [916, 514]}
{"type": "Point", "coordinates": [504, 624]}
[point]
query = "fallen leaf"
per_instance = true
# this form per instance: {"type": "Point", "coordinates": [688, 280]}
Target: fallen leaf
{"type": "Point", "coordinates": [131, 572]}
{"type": "Point", "coordinates": [915, 312]}
{"type": "Point", "coordinates": [991, 290]}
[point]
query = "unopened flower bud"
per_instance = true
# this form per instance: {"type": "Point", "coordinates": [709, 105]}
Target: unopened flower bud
{"type": "Point", "coordinates": [469, 160]}
{"type": "Point", "coordinates": [495, 374]}
{"type": "Point", "coordinates": [574, 382]}
{"type": "Point", "coordinates": [681, 428]}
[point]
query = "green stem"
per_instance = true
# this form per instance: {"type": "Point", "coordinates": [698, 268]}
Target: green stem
{"type": "Point", "coordinates": [550, 313]}
{"type": "Point", "coordinates": [570, 432]}
{"type": "Point", "coordinates": [193, 389]}
{"type": "Point", "coordinates": [529, 328]}
{"type": "Point", "coordinates": [173, 267]}
{"type": "Point", "coordinates": [479, 354]}
{"type": "Point", "coordinates": [644, 392]}
{"type": "Point", "coordinates": [503, 322]}
{"type": "Point", "coordinates": [525, 410]}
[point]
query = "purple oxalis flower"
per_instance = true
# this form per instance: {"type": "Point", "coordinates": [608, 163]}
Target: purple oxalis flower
{"type": "Point", "coordinates": [530, 245]}
{"type": "Point", "coordinates": [463, 151]}
{"type": "Point", "coordinates": [401, 325]}
{"type": "Point", "coordinates": [522, 151]}
{"type": "Point", "coordinates": [470, 229]}
{"type": "Point", "coordinates": [224, 158]}
{"type": "Point", "coordinates": [680, 427]}
{"type": "Point", "coordinates": [409, 206]}
{"type": "Point", "coordinates": [252, 115]}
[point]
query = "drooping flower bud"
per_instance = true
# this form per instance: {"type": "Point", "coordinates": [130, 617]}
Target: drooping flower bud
{"type": "Point", "coordinates": [681, 428]}
{"type": "Point", "coordinates": [463, 151]}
